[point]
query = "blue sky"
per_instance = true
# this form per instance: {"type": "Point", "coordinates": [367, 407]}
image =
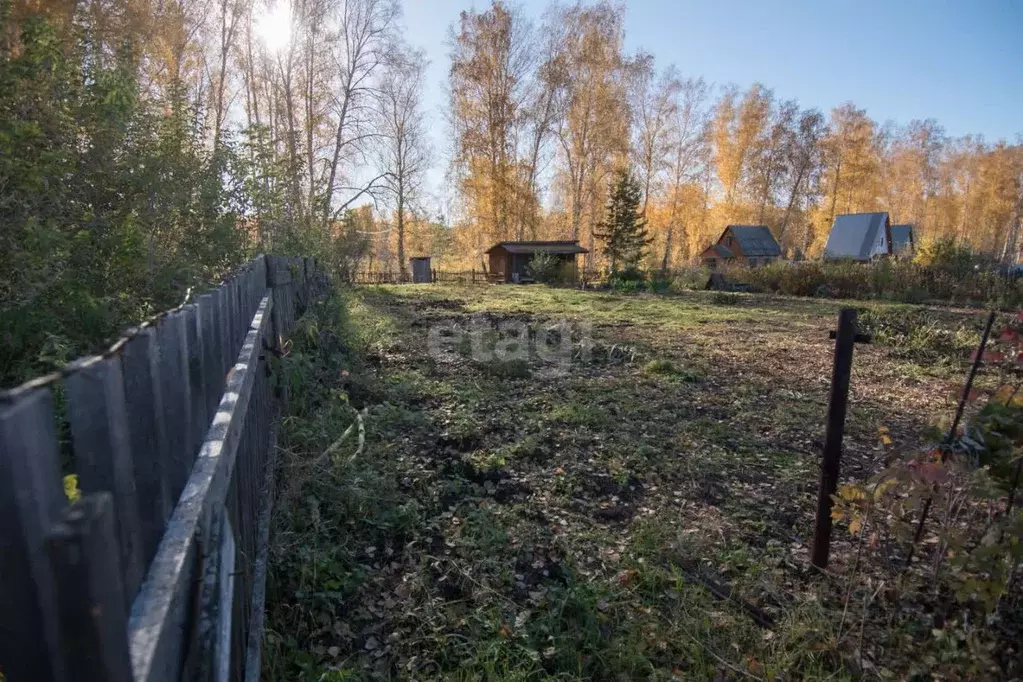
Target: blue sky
{"type": "Point", "coordinates": [957, 61]}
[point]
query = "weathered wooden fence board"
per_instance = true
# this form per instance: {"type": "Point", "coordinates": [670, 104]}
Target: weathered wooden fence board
{"type": "Point", "coordinates": [147, 436]}
{"type": "Point", "coordinates": [83, 552]}
{"type": "Point", "coordinates": [198, 420]}
{"type": "Point", "coordinates": [211, 375]}
{"type": "Point", "coordinates": [159, 571]}
{"type": "Point", "coordinates": [103, 458]}
{"type": "Point", "coordinates": [176, 399]}
{"type": "Point", "coordinates": [31, 499]}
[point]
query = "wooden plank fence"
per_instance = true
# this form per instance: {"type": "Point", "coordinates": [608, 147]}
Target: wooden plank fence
{"type": "Point", "coordinates": [439, 276]}
{"type": "Point", "coordinates": [158, 571]}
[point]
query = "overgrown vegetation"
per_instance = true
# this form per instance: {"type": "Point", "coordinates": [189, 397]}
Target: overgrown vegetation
{"type": "Point", "coordinates": [644, 516]}
{"type": "Point", "coordinates": [128, 180]}
{"type": "Point", "coordinates": [111, 209]}
{"type": "Point", "coordinates": [958, 282]}
{"type": "Point", "coordinates": [544, 267]}
{"type": "Point", "coordinates": [952, 503]}
{"type": "Point", "coordinates": [954, 279]}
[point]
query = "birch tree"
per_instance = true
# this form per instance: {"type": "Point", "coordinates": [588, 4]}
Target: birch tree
{"type": "Point", "coordinates": [404, 146]}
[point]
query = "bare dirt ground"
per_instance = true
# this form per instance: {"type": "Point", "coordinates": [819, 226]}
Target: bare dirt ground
{"type": "Point", "coordinates": [645, 514]}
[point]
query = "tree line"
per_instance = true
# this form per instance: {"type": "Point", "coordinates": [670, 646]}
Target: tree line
{"type": "Point", "coordinates": [149, 146]}
{"type": "Point", "coordinates": [543, 112]}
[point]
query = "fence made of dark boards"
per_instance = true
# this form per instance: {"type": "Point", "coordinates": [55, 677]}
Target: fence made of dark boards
{"type": "Point", "coordinates": [157, 571]}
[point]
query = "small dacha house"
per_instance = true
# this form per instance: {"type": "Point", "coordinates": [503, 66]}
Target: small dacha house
{"type": "Point", "coordinates": [750, 245]}
{"type": "Point", "coordinates": [509, 261]}
{"type": "Point", "coordinates": [859, 237]}
{"type": "Point", "coordinates": [903, 240]}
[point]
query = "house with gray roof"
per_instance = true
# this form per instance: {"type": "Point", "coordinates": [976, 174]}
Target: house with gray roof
{"type": "Point", "coordinates": [903, 240]}
{"type": "Point", "coordinates": [750, 245]}
{"type": "Point", "coordinates": [859, 237]}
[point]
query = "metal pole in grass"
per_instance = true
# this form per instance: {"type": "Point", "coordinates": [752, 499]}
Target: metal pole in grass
{"type": "Point", "coordinates": [845, 338]}
{"type": "Point", "coordinates": [977, 359]}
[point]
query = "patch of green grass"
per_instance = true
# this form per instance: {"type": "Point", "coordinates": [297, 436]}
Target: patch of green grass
{"type": "Point", "coordinates": [726, 298]}
{"type": "Point", "coordinates": [918, 335]}
{"type": "Point", "coordinates": [667, 368]}
{"type": "Point", "coordinates": [579, 414]}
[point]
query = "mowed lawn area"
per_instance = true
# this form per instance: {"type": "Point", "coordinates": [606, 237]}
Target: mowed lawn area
{"type": "Point", "coordinates": [646, 514]}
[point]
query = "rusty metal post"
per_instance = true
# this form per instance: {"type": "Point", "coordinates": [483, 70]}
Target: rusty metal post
{"type": "Point", "coordinates": [845, 339]}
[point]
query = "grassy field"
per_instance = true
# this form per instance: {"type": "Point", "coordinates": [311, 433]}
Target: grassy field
{"type": "Point", "coordinates": [645, 514]}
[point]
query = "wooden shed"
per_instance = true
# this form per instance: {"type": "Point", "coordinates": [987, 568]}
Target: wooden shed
{"type": "Point", "coordinates": [509, 261]}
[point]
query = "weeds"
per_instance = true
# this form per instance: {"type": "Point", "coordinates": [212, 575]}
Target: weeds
{"type": "Point", "coordinates": [915, 334]}
{"type": "Point", "coordinates": [624, 521]}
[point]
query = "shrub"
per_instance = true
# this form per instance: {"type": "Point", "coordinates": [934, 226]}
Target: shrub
{"type": "Point", "coordinates": [690, 279]}
{"type": "Point", "coordinates": [946, 253]}
{"type": "Point", "coordinates": [628, 280]}
{"type": "Point", "coordinates": [629, 274]}
{"type": "Point", "coordinates": [802, 279]}
{"type": "Point", "coordinates": [894, 280]}
{"type": "Point", "coordinates": [544, 267]}
{"type": "Point", "coordinates": [626, 286]}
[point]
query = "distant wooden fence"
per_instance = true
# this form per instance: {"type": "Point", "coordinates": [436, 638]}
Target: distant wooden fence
{"type": "Point", "coordinates": [158, 571]}
{"type": "Point", "coordinates": [441, 276]}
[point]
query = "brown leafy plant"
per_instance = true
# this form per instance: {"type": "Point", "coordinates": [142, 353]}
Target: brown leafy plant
{"type": "Point", "coordinates": [968, 572]}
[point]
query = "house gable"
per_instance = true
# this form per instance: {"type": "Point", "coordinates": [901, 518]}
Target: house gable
{"type": "Point", "coordinates": [859, 236]}
{"type": "Point", "coordinates": [751, 244]}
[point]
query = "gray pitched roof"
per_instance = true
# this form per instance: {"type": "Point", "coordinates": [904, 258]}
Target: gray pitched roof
{"type": "Point", "coordinates": [533, 247]}
{"type": "Point", "coordinates": [755, 240]}
{"type": "Point", "coordinates": [854, 235]}
{"type": "Point", "coordinates": [902, 238]}
{"type": "Point", "coordinates": [722, 251]}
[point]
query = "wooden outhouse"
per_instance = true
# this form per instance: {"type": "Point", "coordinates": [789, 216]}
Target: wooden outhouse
{"type": "Point", "coordinates": [421, 272]}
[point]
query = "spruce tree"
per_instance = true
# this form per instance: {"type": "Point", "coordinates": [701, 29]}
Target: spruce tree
{"type": "Point", "coordinates": [623, 229]}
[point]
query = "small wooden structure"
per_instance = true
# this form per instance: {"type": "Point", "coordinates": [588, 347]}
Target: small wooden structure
{"type": "Point", "coordinates": [509, 261]}
{"type": "Point", "coordinates": [421, 272]}
{"type": "Point", "coordinates": [750, 245]}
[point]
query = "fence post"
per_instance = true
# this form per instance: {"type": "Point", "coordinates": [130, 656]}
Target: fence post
{"type": "Point", "coordinates": [91, 599]}
{"type": "Point", "coordinates": [845, 338]}
{"type": "Point", "coordinates": [31, 499]}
